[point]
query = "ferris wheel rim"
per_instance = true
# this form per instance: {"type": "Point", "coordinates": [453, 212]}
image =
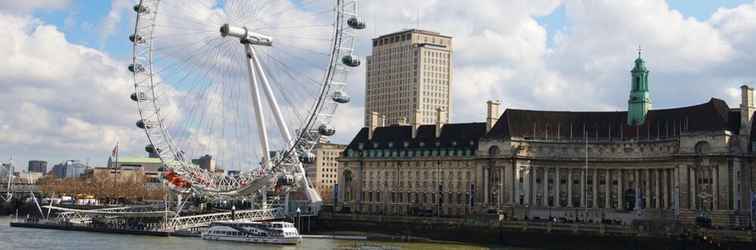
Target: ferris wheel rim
{"type": "Point", "coordinates": [158, 134]}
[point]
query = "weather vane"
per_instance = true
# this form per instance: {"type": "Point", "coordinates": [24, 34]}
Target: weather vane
{"type": "Point", "coordinates": [640, 51]}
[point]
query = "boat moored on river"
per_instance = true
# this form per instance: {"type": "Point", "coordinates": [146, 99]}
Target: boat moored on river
{"type": "Point", "coordinates": [276, 232]}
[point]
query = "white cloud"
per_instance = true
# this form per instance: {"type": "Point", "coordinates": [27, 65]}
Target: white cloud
{"type": "Point", "coordinates": [108, 26]}
{"type": "Point", "coordinates": [60, 100]}
{"type": "Point", "coordinates": [501, 52]}
{"type": "Point", "coordinates": [28, 5]}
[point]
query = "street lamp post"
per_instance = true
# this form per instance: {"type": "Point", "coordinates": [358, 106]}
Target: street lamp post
{"type": "Point", "coordinates": [298, 213]}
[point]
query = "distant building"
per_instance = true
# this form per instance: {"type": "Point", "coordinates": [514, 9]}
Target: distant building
{"type": "Point", "coordinates": [409, 75]}
{"type": "Point", "coordinates": [124, 175]}
{"type": "Point", "coordinates": [687, 164]}
{"type": "Point", "coordinates": [152, 167]}
{"type": "Point", "coordinates": [69, 168]}
{"type": "Point", "coordinates": [322, 173]}
{"type": "Point", "coordinates": [205, 162]}
{"type": "Point", "coordinates": [36, 166]}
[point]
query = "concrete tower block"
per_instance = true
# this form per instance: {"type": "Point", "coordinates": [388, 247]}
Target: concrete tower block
{"type": "Point", "coordinates": [492, 114]}
{"type": "Point", "coordinates": [746, 109]}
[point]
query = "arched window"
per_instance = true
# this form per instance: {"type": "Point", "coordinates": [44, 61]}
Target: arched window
{"type": "Point", "coordinates": [702, 147]}
{"type": "Point", "coordinates": [494, 150]}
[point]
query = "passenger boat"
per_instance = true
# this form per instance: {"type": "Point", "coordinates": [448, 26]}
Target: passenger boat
{"type": "Point", "coordinates": [276, 232]}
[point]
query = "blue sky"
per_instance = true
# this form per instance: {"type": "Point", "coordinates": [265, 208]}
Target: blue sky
{"type": "Point", "coordinates": [533, 54]}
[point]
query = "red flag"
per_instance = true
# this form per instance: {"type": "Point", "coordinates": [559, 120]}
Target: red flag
{"type": "Point", "coordinates": [115, 150]}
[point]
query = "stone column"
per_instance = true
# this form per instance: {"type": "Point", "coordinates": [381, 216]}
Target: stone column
{"type": "Point", "coordinates": [607, 188]}
{"type": "Point", "coordinates": [594, 189]}
{"type": "Point", "coordinates": [545, 198]}
{"type": "Point", "coordinates": [636, 182]}
{"type": "Point", "coordinates": [528, 189]}
{"type": "Point", "coordinates": [647, 188]}
{"type": "Point", "coordinates": [485, 185]}
{"type": "Point", "coordinates": [569, 187]}
{"type": "Point", "coordinates": [516, 186]}
{"type": "Point", "coordinates": [512, 184]}
{"type": "Point", "coordinates": [715, 186]}
{"type": "Point", "coordinates": [620, 189]}
{"type": "Point", "coordinates": [501, 186]}
{"type": "Point", "coordinates": [557, 184]}
{"type": "Point", "coordinates": [583, 187]}
{"type": "Point", "coordinates": [692, 191]}
{"type": "Point", "coordinates": [657, 185]}
{"type": "Point", "coordinates": [665, 188]}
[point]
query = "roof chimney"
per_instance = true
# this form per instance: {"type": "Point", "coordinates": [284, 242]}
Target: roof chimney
{"type": "Point", "coordinates": [440, 118]}
{"type": "Point", "coordinates": [746, 109]}
{"type": "Point", "coordinates": [402, 121]}
{"type": "Point", "coordinates": [373, 123]}
{"type": "Point", "coordinates": [415, 123]}
{"type": "Point", "coordinates": [492, 114]}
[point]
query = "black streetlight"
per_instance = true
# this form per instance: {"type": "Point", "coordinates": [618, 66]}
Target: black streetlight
{"type": "Point", "coordinates": [299, 211]}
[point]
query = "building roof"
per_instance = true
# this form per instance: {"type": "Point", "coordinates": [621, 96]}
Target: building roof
{"type": "Point", "coordinates": [419, 31]}
{"type": "Point", "coordinates": [137, 160]}
{"type": "Point", "coordinates": [714, 115]}
{"type": "Point", "coordinates": [711, 116]}
{"type": "Point", "coordinates": [453, 135]}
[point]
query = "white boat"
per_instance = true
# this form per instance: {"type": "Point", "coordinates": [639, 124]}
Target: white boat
{"type": "Point", "coordinates": [276, 232]}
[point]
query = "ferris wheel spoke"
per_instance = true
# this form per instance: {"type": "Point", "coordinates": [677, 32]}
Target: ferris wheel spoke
{"type": "Point", "coordinates": [196, 93]}
{"type": "Point", "coordinates": [274, 28]}
{"type": "Point", "coordinates": [197, 74]}
{"type": "Point", "coordinates": [187, 59]}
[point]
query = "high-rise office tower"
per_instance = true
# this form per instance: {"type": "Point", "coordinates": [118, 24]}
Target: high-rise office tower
{"type": "Point", "coordinates": [409, 77]}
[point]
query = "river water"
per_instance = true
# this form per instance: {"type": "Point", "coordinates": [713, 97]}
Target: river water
{"type": "Point", "coordinates": [30, 238]}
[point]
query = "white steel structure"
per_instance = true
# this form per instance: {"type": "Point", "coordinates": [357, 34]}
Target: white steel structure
{"type": "Point", "coordinates": [6, 179]}
{"type": "Point", "coordinates": [193, 61]}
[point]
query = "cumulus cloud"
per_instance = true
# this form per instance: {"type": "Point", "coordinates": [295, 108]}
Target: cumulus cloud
{"type": "Point", "coordinates": [28, 5]}
{"type": "Point", "coordinates": [502, 52]}
{"type": "Point", "coordinates": [60, 100]}
{"type": "Point", "coordinates": [108, 26]}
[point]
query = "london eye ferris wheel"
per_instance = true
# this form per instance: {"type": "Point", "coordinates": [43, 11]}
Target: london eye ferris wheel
{"type": "Point", "coordinates": [253, 83]}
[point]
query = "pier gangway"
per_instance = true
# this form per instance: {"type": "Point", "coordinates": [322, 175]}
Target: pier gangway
{"type": "Point", "coordinates": [171, 222]}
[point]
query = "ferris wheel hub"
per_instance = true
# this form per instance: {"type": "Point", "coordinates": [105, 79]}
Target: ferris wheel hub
{"type": "Point", "coordinates": [245, 35]}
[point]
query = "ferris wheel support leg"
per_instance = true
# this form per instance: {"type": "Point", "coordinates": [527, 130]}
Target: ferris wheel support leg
{"type": "Point", "coordinates": [261, 129]}
{"type": "Point", "coordinates": [284, 129]}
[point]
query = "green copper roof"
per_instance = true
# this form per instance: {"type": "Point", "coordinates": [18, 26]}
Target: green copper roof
{"type": "Point", "coordinates": [640, 97]}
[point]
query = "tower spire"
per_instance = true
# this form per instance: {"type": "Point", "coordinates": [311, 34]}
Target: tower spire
{"type": "Point", "coordinates": [640, 51]}
{"type": "Point", "coordinates": [640, 99]}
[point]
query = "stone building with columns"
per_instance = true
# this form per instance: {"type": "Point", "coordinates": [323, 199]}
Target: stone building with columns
{"type": "Point", "coordinates": [685, 164]}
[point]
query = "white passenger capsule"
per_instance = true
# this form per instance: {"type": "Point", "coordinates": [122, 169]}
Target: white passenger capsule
{"type": "Point", "coordinates": [136, 39]}
{"type": "Point", "coordinates": [136, 68]}
{"type": "Point", "coordinates": [326, 130]}
{"type": "Point", "coordinates": [356, 23]}
{"type": "Point", "coordinates": [341, 97]}
{"type": "Point", "coordinates": [307, 157]}
{"type": "Point", "coordinates": [143, 125]}
{"type": "Point", "coordinates": [141, 9]}
{"type": "Point", "coordinates": [351, 60]}
{"type": "Point", "coordinates": [138, 97]}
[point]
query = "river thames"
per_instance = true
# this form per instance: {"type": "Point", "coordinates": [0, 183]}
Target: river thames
{"type": "Point", "coordinates": [30, 238]}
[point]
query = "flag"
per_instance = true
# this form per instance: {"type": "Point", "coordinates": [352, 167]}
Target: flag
{"type": "Point", "coordinates": [115, 150]}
